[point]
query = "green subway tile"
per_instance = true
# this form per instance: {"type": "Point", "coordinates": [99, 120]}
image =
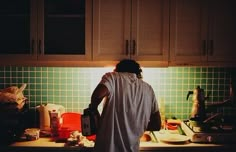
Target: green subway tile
{"type": "Point", "coordinates": [204, 75]}
{"type": "Point", "coordinates": [203, 86]}
{"type": "Point", "coordinates": [32, 74]}
{"type": "Point", "coordinates": [38, 74]}
{"type": "Point", "coordinates": [44, 74]}
{"type": "Point", "coordinates": [56, 75]}
{"type": "Point", "coordinates": [50, 75]}
{"type": "Point", "coordinates": [38, 87]}
{"type": "Point", "coordinates": [50, 98]}
{"type": "Point", "coordinates": [38, 80]}
{"type": "Point", "coordinates": [203, 81]}
{"type": "Point", "coordinates": [73, 86]}
{"type": "Point", "coordinates": [62, 99]}
{"type": "Point", "coordinates": [56, 86]}
{"type": "Point", "coordinates": [38, 98]}
{"type": "Point", "coordinates": [25, 74]}
{"type": "Point", "coordinates": [197, 81]}
{"type": "Point", "coordinates": [69, 99]}
{"type": "Point", "coordinates": [63, 75]}
{"type": "Point", "coordinates": [19, 74]}
{"type": "Point", "coordinates": [204, 70]}
{"type": "Point", "coordinates": [44, 98]}
{"type": "Point", "coordinates": [57, 93]}
{"type": "Point", "coordinates": [44, 81]}
{"type": "Point", "coordinates": [50, 80]}
{"type": "Point", "coordinates": [7, 74]}
{"type": "Point", "coordinates": [210, 69]}
{"type": "Point", "coordinates": [198, 70]}
{"type": "Point", "coordinates": [63, 93]}
{"type": "Point", "coordinates": [216, 75]}
{"type": "Point", "coordinates": [50, 87]}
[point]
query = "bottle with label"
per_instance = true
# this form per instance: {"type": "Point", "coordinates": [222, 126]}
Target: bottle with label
{"type": "Point", "coordinates": [54, 123]}
{"type": "Point", "coordinates": [89, 122]}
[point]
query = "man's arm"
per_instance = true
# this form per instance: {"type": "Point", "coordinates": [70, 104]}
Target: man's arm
{"type": "Point", "coordinates": [155, 122]}
{"type": "Point", "coordinates": [98, 94]}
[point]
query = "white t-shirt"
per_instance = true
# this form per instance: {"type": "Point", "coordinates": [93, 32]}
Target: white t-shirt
{"type": "Point", "coordinates": [126, 112]}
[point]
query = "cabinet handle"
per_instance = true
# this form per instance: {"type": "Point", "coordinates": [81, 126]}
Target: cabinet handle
{"type": "Point", "coordinates": [32, 47]}
{"type": "Point", "coordinates": [210, 47]}
{"type": "Point", "coordinates": [204, 47]}
{"type": "Point", "coordinates": [127, 47]}
{"type": "Point", "coordinates": [134, 47]}
{"type": "Point", "coordinates": [39, 47]}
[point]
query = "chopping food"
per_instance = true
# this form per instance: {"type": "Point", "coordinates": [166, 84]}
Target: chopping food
{"type": "Point", "coordinates": [130, 108]}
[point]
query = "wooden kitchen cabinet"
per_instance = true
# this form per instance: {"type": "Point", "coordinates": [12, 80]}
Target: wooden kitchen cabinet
{"type": "Point", "coordinates": [137, 29]}
{"type": "Point", "coordinates": [38, 30]}
{"type": "Point", "coordinates": [202, 31]}
{"type": "Point", "coordinates": [15, 29]}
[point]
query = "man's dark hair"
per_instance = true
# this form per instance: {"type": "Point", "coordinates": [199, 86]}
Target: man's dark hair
{"type": "Point", "coordinates": [128, 65]}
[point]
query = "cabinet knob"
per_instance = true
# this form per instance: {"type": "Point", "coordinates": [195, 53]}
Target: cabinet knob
{"type": "Point", "coordinates": [32, 47]}
{"type": "Point", "coordinates": [133, 47]}
{"type": "Point", "coordinates": [210, 47]}
{"type": "Point", "coordinates": [39, 47]}
{"type": "Point", "coordinates": [127, 47]}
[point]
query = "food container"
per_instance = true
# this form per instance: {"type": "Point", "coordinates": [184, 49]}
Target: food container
{"type": "Point", "coordinates": [64, 133]}
{"type": "Point", "coordinates": [32, 133]}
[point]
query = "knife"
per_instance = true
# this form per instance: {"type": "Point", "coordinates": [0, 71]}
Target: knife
{"type": "Point", "coordinates": [154, 136]}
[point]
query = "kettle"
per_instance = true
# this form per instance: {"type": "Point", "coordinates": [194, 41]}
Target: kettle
{"type": "Point", "coordinates": [44, 114]}
{"type": "Point", "coordinates": [198, 107]}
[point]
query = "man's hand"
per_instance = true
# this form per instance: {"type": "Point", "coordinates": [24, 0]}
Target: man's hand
{"type": "Point", "coordinates": [155, 122]}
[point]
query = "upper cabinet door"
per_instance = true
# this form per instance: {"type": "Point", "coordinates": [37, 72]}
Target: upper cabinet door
{"type": "Point", "coordinates": [136, 29]}
{"type": "Point", "coordinates": [222, 31]}
{"type": "Point", "coordinates": [17, 29]}
{"type": "Point", "coordinates": [203, 31]}
{"type": "Point", "coordinates": [111, 29]}
{"type": "Point", "coordinates": [188, 31]}
{"type": "Point", "coordinates": [65, 29]}
{"type": "Point", "coordinates": [37, 30]}
{"type": "Point", "coordinates": [150, 30]}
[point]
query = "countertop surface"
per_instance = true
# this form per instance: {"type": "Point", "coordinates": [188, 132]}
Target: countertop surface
{"type": "Point", "coordinates": [48, 142]}
{"type": "Point", "coordinates": [153, 145]}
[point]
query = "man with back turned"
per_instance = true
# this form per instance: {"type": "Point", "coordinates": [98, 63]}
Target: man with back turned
{"type": "Point", "coordinates": [130, 108]}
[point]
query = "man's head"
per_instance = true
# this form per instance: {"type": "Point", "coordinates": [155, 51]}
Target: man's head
{"type": "Point", "coordinates": [128, 65]}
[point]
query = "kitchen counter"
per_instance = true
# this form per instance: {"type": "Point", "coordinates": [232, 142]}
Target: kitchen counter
{"type": "Point", "coordinates": [41, 145]}
{"type": "Point", "coordinates": [46, 144]}
{"type": "Point", "coordinates": [156, 144]}
{"type": "Point", "coordinates": [188, 146]}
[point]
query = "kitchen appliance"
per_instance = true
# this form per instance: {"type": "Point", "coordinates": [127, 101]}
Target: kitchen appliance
{"type": "Point", "coordinates": [224, 133]}
{"type": "Point", "coordinates": [198, 107]}
{"type": "Point", "coordinates": [206, 126]}
{"type": "Point", "coordinates": [44, 115]}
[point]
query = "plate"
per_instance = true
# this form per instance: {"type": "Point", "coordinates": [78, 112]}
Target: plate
{"type": "Point", "coordinates": [173, 138]}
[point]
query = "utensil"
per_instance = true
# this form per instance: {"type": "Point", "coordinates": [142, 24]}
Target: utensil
{"type": "Point", "coordinates": [154, 136]}
{"type": "Point", "coordinates": [212, 117]}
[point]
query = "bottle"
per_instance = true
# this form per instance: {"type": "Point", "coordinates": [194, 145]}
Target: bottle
{"type": "Point", "coordinates": [54, 123]}
{"type": "Point", "coordinates": [89, 122]}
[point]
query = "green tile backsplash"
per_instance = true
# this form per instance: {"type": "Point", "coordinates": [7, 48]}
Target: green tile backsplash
{"type": "Point", "coordinates": [72, 86]}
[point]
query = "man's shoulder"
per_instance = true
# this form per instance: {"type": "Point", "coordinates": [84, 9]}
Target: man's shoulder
{"type": "Point", "coordinates": [146, 84]}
